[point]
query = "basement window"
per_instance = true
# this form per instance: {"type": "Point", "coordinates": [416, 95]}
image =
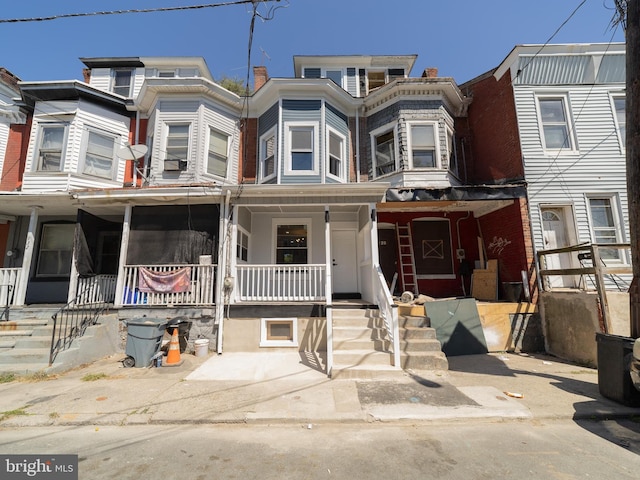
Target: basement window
{"type": "Point", "coordinates": [279, 332]}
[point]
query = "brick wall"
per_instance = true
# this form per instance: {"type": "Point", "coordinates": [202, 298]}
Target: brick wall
{"type": "Point", "coordinates": [495, 142]}
{"type": "Point", "coordinates": [15, 156]}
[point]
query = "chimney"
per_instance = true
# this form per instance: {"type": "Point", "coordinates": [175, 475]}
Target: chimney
{"type": "Point", "coordinates": [430, 72]}
{"type": "Point", "coordinates": [86, 73]}
{"type": "Point", "coordinates": [260, 77]}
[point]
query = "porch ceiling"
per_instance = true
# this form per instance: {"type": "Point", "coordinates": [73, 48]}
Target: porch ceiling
{"type": "Point", "coordinates": [478, 207]}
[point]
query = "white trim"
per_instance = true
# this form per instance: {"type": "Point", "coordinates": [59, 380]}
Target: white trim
{"type": "Point", "coordinates": [41, 125]}
{"type": "Point", "coordinates": [573, 143]}
{"type": "Point", "coordinates": [265, 342]}
{"type": "Point", "coordinates": [389, 127]}
{"type": "Point", "coordinates": [207, 143]}
{"type": "Point", "coordinates": [343, 160]}
{"type": "Point", "coordinates": [436, 140]}
{"type": "Point", "coordinates": [315, 131]}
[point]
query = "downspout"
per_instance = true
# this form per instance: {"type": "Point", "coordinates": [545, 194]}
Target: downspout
{"type": "Point", "coordinates": [136, 141]}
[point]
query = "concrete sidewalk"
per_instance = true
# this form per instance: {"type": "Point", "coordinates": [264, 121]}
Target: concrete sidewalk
{"type": "Point", "coordinates": [276, 388]}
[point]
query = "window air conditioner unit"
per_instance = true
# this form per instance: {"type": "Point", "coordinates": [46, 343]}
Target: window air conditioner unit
{"type": "Point", "coordinates": [175, 165]}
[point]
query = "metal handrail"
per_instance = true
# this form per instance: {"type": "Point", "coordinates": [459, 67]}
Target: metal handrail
{"type": "Point", "coordinates": [71, 322]}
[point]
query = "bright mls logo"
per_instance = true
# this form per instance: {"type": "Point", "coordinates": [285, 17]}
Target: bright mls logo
{"type": "Point", "coordinates": [50, 467]}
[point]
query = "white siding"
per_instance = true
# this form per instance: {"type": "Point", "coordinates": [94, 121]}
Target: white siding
{"type": "Point", "coordinates": [597, 166]}
{"type": "Point", "coordinates": [85, 115]}
{"type": "Point", "coordinates": [4, 138]}
{"type": "Point", "coordinates": [225, 122]}
{"type": "Point", "coordinates": [100, 78]}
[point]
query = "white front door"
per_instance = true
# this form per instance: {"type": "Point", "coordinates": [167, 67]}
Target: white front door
{"type": "Point", "coordinates": [344, 256]}
{"type": "Point", "coordinates": [554, 232]}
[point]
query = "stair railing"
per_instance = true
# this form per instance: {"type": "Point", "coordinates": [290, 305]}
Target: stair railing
{"type": "Point", "coordinates": [388, 311]}
{"type": "Point", "coordinates": [72, 320]}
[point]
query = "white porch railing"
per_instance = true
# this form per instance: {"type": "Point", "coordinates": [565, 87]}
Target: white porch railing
{"type": "Point", "coordinates": [280, 283]}
{"type": "Point", "coordinates": [201, 291]}
{"type": "Point", "coordinates": [101, 288]}
{"type": "Point", "coordinates": [9, 279]}
{"type": "Point", "coordinates": [388, 312]}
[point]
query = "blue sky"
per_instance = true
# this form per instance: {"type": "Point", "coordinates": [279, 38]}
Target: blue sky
{"type": "Point", "coordinates": [462, 38]}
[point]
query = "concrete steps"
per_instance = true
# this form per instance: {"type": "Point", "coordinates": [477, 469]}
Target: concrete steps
{"type": "Point", "coordinates": [419, 346]}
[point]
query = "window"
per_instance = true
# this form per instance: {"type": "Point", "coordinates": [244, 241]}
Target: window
{"type": "Point", "coordinates": [268, 154]}
{"type": "Point", "coordinates": [50, 149]}
{"type": "Point", "coordinates": [292, 243]}
{"type": "Point", "coordinates": [178, 142]}
{"type": "Point", "coordinates": [432, 248]}
{"type": "Point", "coordinates": [556, 132]}
{"type": "Point", "coordinates": [604, 226]}
{"type": "Point", "coordinates": [384, 147]}
{"type": "Point", "coordinates": [335, 75]}
{"type": "Point", "coordinates": [242, 246]}
{"type": "Point", "coordinates": [218, 153]}
{"type": "Point", "coordinates": [423, 146]}
{"type": "Point", "coordinates": [336, 154]}
{"type": "Point", "coordinates": [453, 154]}
{"type": "Point", "coordinates": [279, 332]}
{"type": "Point", "coordinates": [56, 247]}
{"type": "Point", "coordinates": [621, 121]}
{"type": "Point", "coordinates": [98, 160]}
{"type": "Point", "coordinates": [376, 79]}
{"type": "Point", "coordinates": [302, 143]}
{"type": "Point", "coordinates": [122, 81]}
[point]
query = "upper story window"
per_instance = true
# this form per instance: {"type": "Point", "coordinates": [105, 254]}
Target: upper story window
{"type": "Point", "coordinates": [556, 129]}
{"type": "Point", "coordinates": [122, 80]}
{"type": "Point", "coordinates": [452, 151]}
{"type": "Point", "coordinates": [268, 154]}
{"type": "Point", "coordinates": [337, 154]}
{"type": "Point", "coordinates": [51, 147]}
{"type": "Point", "coordinates": [424, 151]}
{"type": "Point", "coordinates": [99, 155]}
{"type": "Point", "coordinates": [177, 148]}
{"type": "Point", "coordinates": [302, 148]}
{"type": "Point", "coordinates": [384, 147]}
{"type": "Point", "coordinates": [335, 75]}
{"type": "Point", "coordinates": [621, 121]}
{"type": "Point", "coordinates": [218, 156]}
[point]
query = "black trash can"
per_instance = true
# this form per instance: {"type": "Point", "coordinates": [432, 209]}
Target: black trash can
{"type": "Point", "coordinates": [144, 339]}
{"type": "Point", "coordinates": [183, 325]}
{"type": "Point", "coordinates": [614, 359]}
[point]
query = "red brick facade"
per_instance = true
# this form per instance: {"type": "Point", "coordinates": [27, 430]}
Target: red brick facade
{"type": "Point", "coordinates": [15, 156]}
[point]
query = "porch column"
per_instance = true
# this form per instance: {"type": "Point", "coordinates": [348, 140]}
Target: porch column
{"type": "Point", "coordinates": [375, 254]}
{"type": "Point", "coordinates": [124, 243]}
{"type": "Point", "coordinates": [328, 289]}
{"type": "Point", "coordinates": [27, 256]}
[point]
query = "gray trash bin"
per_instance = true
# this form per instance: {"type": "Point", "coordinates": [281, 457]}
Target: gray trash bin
{"type": "Point", "coordinates": [144, 339]}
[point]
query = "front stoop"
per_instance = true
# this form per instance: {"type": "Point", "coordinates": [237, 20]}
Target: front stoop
{"type": "Point", "coordinates": [360, 345]}
{"type": "Point", "coordinates": [25, 345]}
{"type": "Point", "coordinates": [419, 347]}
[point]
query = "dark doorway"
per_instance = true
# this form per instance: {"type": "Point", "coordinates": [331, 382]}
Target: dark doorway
{"type": "Point", "coordinates": [388, 251]}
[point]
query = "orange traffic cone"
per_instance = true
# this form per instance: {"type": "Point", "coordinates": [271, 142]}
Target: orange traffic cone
{"type": "Point", "coordinates": [173, 356]}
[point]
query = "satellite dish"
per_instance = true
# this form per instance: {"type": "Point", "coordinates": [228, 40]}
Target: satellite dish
{"type": "Point", "coordinates": [132, 152]}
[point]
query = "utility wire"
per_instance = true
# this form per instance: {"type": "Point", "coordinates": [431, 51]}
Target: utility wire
{"type": "Point", "coordinates": [135, 10]}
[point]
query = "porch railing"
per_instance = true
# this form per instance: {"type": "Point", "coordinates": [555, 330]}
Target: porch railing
{"type": "Point", "coordinates": [280, 283]}
{"type": "Point", "coordinates": [71, 322]}
{"type": "Point", "coordinates": [201, 291]}
{"type": "Point", "coordinates": [388, 312]}
{"type": "Point", "coordinates": [9, 278]}
{"type": "Point", "coordinates": [101, 288]}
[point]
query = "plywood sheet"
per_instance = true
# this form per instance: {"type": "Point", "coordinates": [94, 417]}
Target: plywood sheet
{"type": "Point", "coordinates": [457, 325]}
{"type": "Point", "coordinates": [484, 285]}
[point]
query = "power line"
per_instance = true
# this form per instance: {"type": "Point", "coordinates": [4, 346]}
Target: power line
{"type": "Point", "coordinates": [135, 10]}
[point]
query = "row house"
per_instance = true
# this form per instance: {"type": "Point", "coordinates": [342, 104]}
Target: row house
{"type": "Point", "coordinates": [561, 111]}
{"type": "Point", "coordinates": [150, 185]}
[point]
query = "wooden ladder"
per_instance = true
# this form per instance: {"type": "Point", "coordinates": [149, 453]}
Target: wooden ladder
{"type": "Point", "coordinates": [407, 259]}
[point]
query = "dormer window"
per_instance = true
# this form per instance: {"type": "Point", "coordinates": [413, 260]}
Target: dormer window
{"type": "Point", "coordinates": [122, 79]}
